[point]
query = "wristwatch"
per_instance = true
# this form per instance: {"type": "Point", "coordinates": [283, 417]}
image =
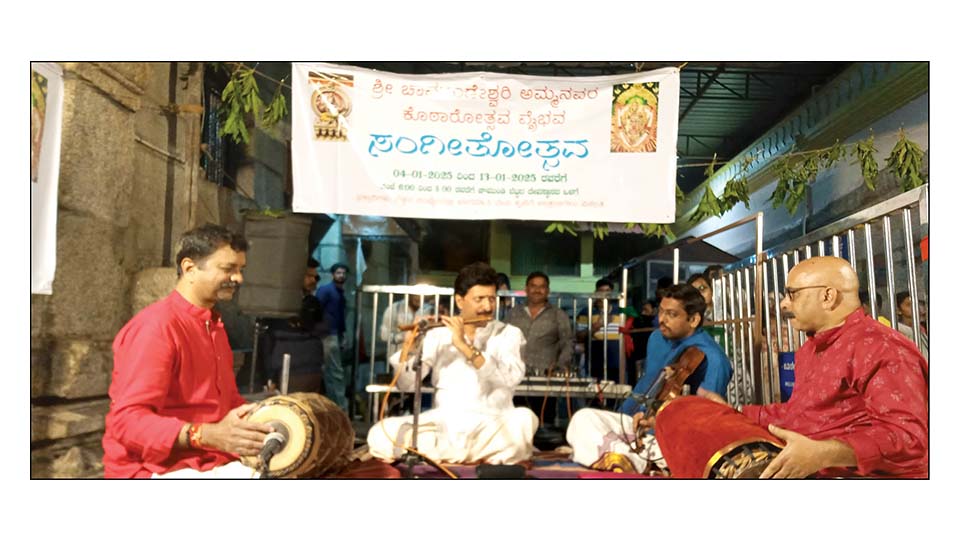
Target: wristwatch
{"type": "Point", "coordinates": [474, 352]}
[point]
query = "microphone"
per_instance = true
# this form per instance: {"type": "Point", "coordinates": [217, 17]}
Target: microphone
{"type": "Point", "coordinates": [273, 443]}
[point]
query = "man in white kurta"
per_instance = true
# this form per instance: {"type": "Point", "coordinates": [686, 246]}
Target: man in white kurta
{"type": "Point", "coordinates": [474, 371]}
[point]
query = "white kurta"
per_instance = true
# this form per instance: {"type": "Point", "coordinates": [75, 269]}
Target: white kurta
{"type": "Point", "coordinates": [474, 419]}
{"type": "Point", "coordinates": [594, 432]}
{"type": "Point", "coordinates": [234, 469]}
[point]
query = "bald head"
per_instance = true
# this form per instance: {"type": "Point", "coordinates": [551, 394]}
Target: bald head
{"type": "Point", "coordinates": [821, 293]}
{"type": "Point", "coordinates": [830, 271]}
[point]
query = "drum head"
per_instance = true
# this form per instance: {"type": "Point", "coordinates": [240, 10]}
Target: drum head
{"type": "Point", "coordinates": [745, 461]}
{"type": "Point", "coordinates": [299, 422]}
{"type": "Point", "coordinates": [290, 418]}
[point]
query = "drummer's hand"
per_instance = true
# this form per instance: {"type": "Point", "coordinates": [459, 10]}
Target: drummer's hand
{"type": "Point", "coordinates": [234, 434]}
{"type": "Point", "coordinates": [642, 422]}
{"type": "Point", "coordinates": [804, 456]}
{"type": "Point", "coordinates": [455, 324]}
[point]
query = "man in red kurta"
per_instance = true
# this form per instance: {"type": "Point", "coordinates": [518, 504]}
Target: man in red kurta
{"type": "Point", "coordinates": [859, 404]}
{"type": "Point", "coordinates": [174, 401]}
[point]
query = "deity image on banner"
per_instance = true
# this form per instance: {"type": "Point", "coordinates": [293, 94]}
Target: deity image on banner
{"type": "Point", "coordinates": [331, 104]}
{"type": "Point", "coordinates": [633, 120]}
{"type": "Point", "coordinates": [38, 110]}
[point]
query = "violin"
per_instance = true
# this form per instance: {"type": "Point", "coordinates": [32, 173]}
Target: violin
{"type": "Point", "coordinates": [669, 384]}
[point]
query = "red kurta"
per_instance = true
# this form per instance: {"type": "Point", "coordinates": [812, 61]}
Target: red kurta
{"type": "Point", "coordinates": [863, 384]}
{"type": "Point", "coordinates": [172, 364]}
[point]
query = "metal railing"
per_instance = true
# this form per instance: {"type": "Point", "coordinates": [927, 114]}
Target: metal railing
{"type": "Point", "coordinates": [372, 310]}
{"type": "Point", "coordinates": [733, 310]}
{"type": "Point", "coordinates": [878, 242]}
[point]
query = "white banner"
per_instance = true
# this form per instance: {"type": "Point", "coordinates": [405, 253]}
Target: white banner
{"type": "Point", "coordinates": [46, 112]}
{"type": "Point", "coordinates": [485, 145]}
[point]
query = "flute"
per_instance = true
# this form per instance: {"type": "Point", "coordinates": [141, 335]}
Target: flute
{"type": "Point", "coordinates": [426, 324]}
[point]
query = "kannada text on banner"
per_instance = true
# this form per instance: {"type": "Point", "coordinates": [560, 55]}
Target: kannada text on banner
{"type": "Point", "coordinates": [485, 146]}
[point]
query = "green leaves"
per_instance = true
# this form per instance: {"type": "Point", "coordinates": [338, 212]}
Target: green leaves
{"type": "Point", "coordinates": [602, 230]}
{"type": "Point", "coordinates": [562, 227]}
{"type": "Point", "coordinates": [711, 168]}
{"type": "Point", "coordinates": [793, 179]}
{"type": "Point", "coordinates": [735, 191]}
{"type": "Point", "coordinates": [906, 160]}
{"type": "Point", "coordinates": [709, 206]}
{"type": "Point", "coordinates": [658, 229]}
{"type": "Point", "coordinates": [828, 157]}
{"type": "Point", "coordinates": [864, 151]}
{"type": "Point", "coordinates": [277, 109]}
{"type": "Point", "coordinates": [792, 182]}
{"type": "Point", "coordinates": [241, 104]}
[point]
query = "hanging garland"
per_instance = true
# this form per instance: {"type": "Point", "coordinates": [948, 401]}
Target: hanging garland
{"type": "Point", "coordinates": [795, 172]}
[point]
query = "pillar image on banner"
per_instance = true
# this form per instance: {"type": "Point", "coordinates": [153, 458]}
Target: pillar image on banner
{"type": "Point", "coordinates": [633, 121]}
{"type": "Point", "coordinates": [331, 104]}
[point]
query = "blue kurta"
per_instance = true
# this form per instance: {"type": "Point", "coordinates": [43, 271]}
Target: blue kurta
{"type": "Point", "coordinates": [713, 374]}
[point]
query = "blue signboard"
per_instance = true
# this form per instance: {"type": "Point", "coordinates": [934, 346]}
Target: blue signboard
{"type": "Point", "coordinates": [786, 375]}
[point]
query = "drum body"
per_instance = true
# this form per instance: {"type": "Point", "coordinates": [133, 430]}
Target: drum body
{"type": "Point", "coordinates": [700, 438]}
{"type": "Point", "coordinates": [320, 441]}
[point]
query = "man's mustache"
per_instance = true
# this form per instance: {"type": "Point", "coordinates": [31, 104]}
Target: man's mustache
{"type": "Point", "coordinates": [229, 285]}
{"type": "Point", "coordinates": [788, 315]}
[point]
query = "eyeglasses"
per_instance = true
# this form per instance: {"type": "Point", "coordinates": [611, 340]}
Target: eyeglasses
{"type": "Point", "coordinates": [791, 291]}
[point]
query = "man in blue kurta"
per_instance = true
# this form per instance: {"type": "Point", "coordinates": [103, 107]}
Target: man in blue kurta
{"type": "Point", "coordinates": [608, 440]}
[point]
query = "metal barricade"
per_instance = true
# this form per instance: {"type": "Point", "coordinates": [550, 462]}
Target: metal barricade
{"type": "Point", "coordinates": [878, 242]}
{"type": "Point", "coordinates": [384, 319]}
{"type": "Point", "coordinates": [381, 308]}
{"type": "Point", "coordinates": [737, 294]}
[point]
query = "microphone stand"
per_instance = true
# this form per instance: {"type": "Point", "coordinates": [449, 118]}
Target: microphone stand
{"type": "Point", "coordinates": [411, 459]}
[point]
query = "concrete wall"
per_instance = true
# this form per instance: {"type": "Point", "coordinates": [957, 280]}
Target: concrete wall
{"type": "Point", "coordinates": [130, 184]}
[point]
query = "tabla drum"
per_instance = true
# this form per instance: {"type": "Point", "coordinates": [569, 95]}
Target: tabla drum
{"type": "Point", "coordinates": [700, 438]}
{"type": "Point", "coordinates": [320, 436]}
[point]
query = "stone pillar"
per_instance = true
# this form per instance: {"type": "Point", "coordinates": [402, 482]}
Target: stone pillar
{"type": "Point", "coordinates": [500, 245]}
{"type": "Point", "coordinates": [128, 167]}
{"type": "Point", "coordinates": [586, 256]}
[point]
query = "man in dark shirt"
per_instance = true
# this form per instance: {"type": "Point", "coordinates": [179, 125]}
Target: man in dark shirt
{"type": "Point", "coordinates": [549, 336]}
{"type": "Point", "coordinates": [300, 337]}
{"type": "Point", "coordinates": [547, 329]}
{"type": "Point", "coordinates": [332, 327]}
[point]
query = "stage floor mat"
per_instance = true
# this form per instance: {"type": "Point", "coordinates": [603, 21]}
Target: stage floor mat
{"type": "Point", "coordinates": [545, 465]}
